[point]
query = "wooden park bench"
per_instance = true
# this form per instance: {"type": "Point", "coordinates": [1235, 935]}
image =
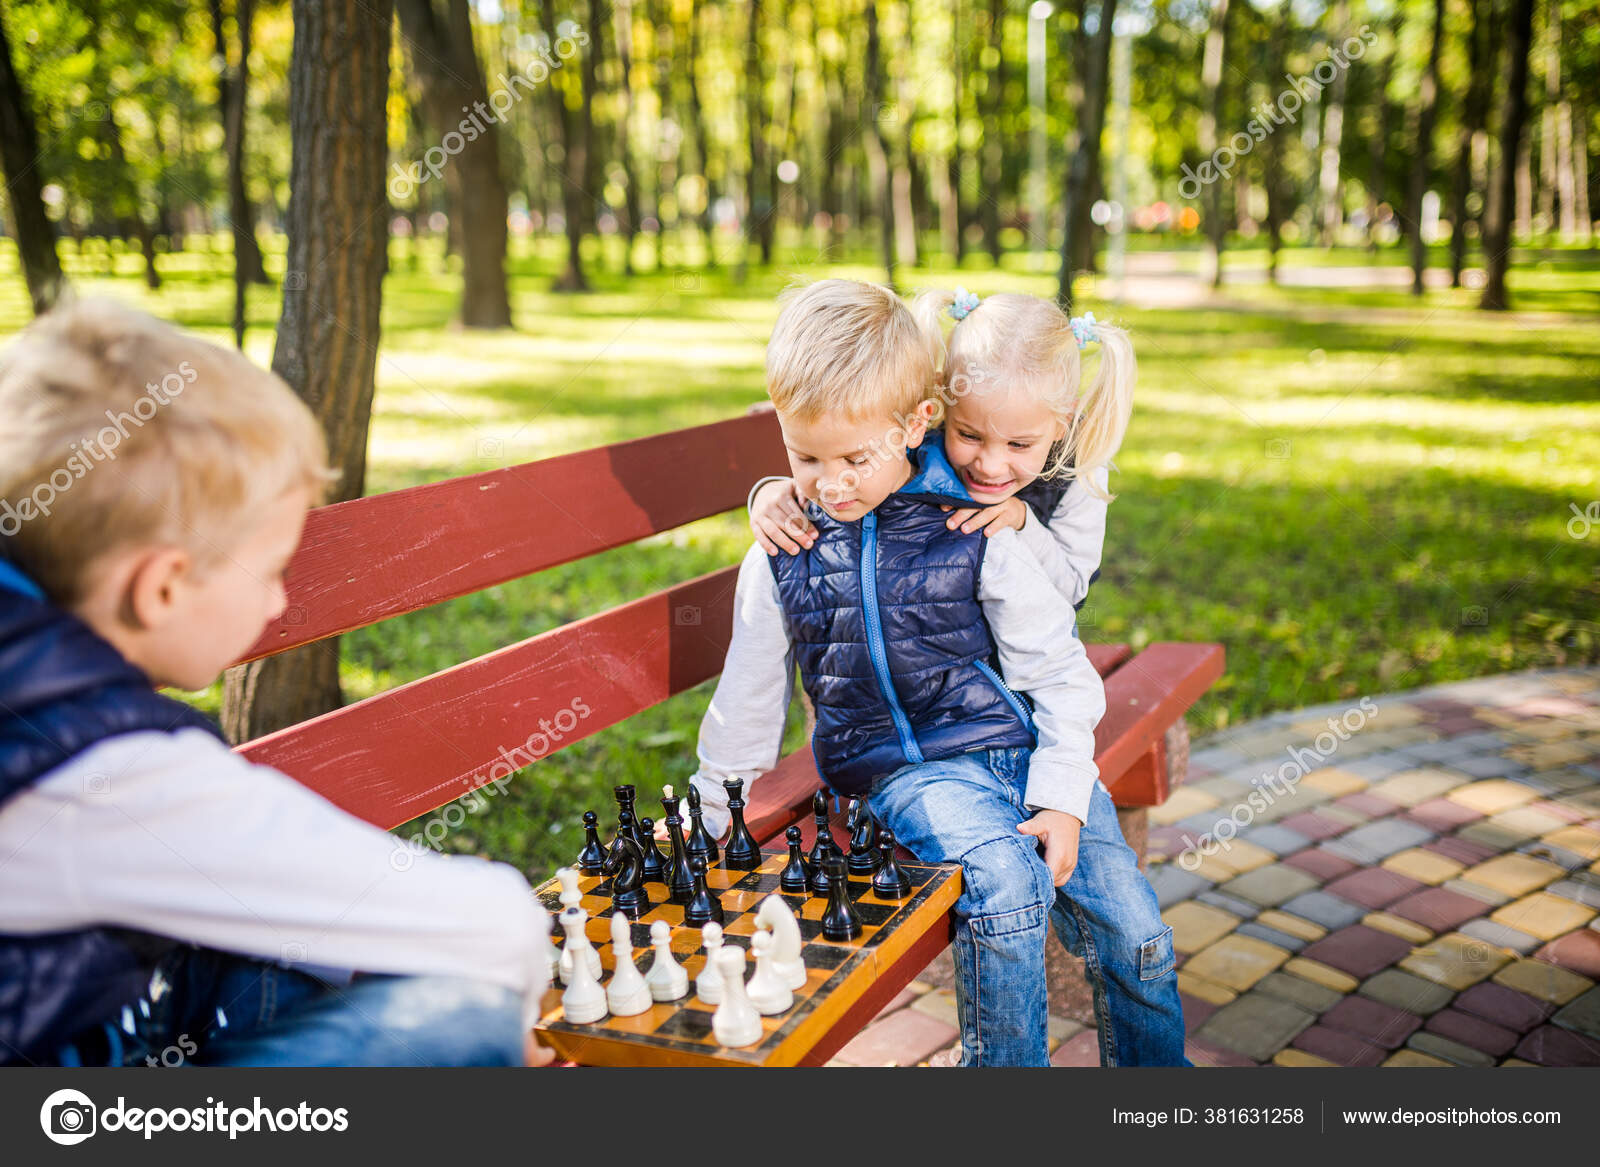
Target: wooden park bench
{"type": "Point", "coordinates": [412, 749]}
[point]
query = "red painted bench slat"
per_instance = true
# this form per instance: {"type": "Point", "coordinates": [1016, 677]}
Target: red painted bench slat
{"type": "Point", "coordinates": [1144, 696]}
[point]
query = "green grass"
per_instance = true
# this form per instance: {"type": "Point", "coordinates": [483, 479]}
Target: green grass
{"type": "Point", "coordinates": [1352, 491]}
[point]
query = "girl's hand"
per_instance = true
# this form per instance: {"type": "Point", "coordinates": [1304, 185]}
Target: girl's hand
{"type": "Point", "coordinates": [778, 521]}
{"type": "Point", "coordinates": [1012, 513]}
{"type": "Point", "coordinates": [534, 1054]}
{"type": "Point", "coordinates": [1059, 830]}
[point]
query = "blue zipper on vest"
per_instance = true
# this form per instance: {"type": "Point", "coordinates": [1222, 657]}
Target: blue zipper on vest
{"type": "Point", "coordinates": [1007, 692]}
{"type": "Point", "coordinates": [875, 649]}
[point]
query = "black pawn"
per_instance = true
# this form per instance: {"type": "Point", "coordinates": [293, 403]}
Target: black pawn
{"type": "Point", "coordinates": [863, 839]}
{"type": "Point", "coordinates": [890, 882]}
{"type": "Point", "coordinates": [680, 877]}
{"type": "Point", "coordinates": [703, 907]}
{"type": "Point", "coordinates": [625, 866]}
{"type": "Point", "coordinates": [655, 863]}
{"type": "Point", "coordinates": [840, 920]}
{"type": "Point", "coordinates": [741, 854]}
{"type": "Point", "coordinates": [824, 844]}
{"type": "Point", "coordinates": [700, 841]}
{"type": "Point", "coordinates": [795, 878]}
{"type": "Point", "coordinates": [593, 856]}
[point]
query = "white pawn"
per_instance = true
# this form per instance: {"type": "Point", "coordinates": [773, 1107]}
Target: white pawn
{"type": "Point", "coordinates": [736, 1022]}
{"type": "Point", "coordinates": [577, 942]}
{"type": "Point", "coordinates": [584, 1001]}
{"type": "Point", "coordinates": [570, 895]}
{"type": "Point", "coordinates": [627, 994]}
{"type": "Point", "coordinates": [787, 964]}
{"type": "Point", "coordinates": [766, 990]}
{"type": "Point", "coordinates": [668, 980]}
{"type": "Point", "coordinates": [708, 985]}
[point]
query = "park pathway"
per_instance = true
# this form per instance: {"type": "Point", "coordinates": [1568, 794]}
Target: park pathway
{"type": "Point", "coordinates": [1413, 881]}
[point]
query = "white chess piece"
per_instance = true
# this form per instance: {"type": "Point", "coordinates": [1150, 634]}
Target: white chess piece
{"type": "Point", "coordinates": [577, 942]}
{"type": "Point", "coordinates": [570, 895]}
{"type": "Point", "coordinates": [584, 1001]}
{"type": "Point", "coordinates": [787, 963]}
{"type": "Point", "coordinates": [736, 1022]}
{"type": "Point", "coordinates": [627, 994]}
{"type": "Point", "coordinates": [668, 980]}
{"type": "Point", "coordinates": [708, 985]}
{"type": "Point", "coordinates": [766, 989]}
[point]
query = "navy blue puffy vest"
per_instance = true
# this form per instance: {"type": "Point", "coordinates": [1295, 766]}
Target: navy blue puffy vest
{"type": "Point", "coordinates": [62, 689]}
{"type": "Point", "coordinates": [893, 648]}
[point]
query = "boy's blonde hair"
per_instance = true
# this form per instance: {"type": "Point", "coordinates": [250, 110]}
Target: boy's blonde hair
{"type": "Point", "coordinates": [1011, 339]}
{"type": "Point", "coordinates": [843, 348]}
{"type": "Point", "coordinates": [120, 430]}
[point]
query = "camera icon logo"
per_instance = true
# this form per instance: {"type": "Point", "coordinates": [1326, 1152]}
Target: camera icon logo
{"type": "Point", "coordinates": [1477, 616]}
{"type": "Point", "coordinates": [294, 615]}
{"type": "Point", "coordinates": [292, 953]}
{"type": "Point", "coordinates": [294, 281]}
{"type": "Point", "coordinates": [491, 448]}
{"type": "Point", "coordinates": [97, 783]}
{"type": "Point", "coordinates": [68, 1117]}
{"type": "Point", "coordinates": [686, 616]}
{"type": "Point", "coordinates": [1278, 449]}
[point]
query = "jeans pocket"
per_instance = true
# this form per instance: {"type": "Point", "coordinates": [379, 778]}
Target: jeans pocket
{"type": "Point", "coordinates": [1156, 957]}
{"type": "Point", "coordinates": [1007, 923]}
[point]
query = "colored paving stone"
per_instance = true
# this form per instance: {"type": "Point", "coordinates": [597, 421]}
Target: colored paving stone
{"type": "Point", "coordinates": [1239, 856]}
{"type": "Point", "coordinates": [1450, 1050]}
{"type": "Point", "coordinates": [1272, 936]}
{"type": "Point", "coordinates": [1243, 909]}
{"type": "Point", "coordinates": [1338, 1047]}
{"type": "Point", "coordinates": [1373, 887]}
{"type": "Point", "coordinates": [1411, 787]}
{"type": "Point", "coordinates": [1367, 805]}
{"type": "Point", "coordinates": [1378, 840]}
{"type": "Point", "coordinates": [940, 1004]}
{"type": "Point", "coordinates": [900, 1039]}
{"type": "Point", "coordinates": [1277, 838]}
{"type": "Point", "coordinates": [1373, 1021]}
{"type": "Point", "coordinates": [1269, 886]}
{"type": "Point", "coordinates": [1319, 863]}
{"type": "Point", "coordinates": [1543, 915]}
{"type": "Point", "coordinates": [1411, 933]}
{"type": "Point", "coordinates": [1504, 1007]}
{"type": "Point", "coordinates": [1335, 782]}
{"type": "Point", "coordinates": [1423, 866]}
{"type": "Point", "coordinates": [1497, 934]}
{"type": "Point", "coordinates": [1437, 909]}
{"type": "Point", "coordinates": [1173, 884]}
{"type": "Point", "coordinates": [1324, 910]}
{"type": "Point", "coordinates": [1440, 814]}
{"type": "Point", "coordinates": [1195, 1011]}
{"type": "Point", "coordinates": [1513, 875]}
{"type": "Point", "coordinates": [1209, 991]}
{"type": "Point", "coordinates": [1319, 973]}
{"type": "Point", "coordinates": [1182, 802]}
{"type": "Point", "coordinates": [1579, 840]}
{"type": "Point", "coordinates": [1196, 925]}
{"type": "Point", "coordinates": [1407, 992]}
{"type": "Point", "coordinates": [1203, 1053]}
{"type": "Point", "coordinates": [1463, 851]}
{"type": "Point", "coordinates": [1550, 1045]}
{"type": "Point", "coordinates": [1560, 856]}
{"type": "Point", "coordinates": [1299, 1058]}
{"type": "Point", "coordinates": [1236, 962]}
{"type": "Point", "coordinates": [1491, 796]}
{"type": "Point", "coordinates": [1297, 926]}
{"type": "Point", "coordinates": [1315, 825]}
{"type": "Point", "coordinates": [1255, 1026]}
{"type": "Point", "coordinates": [1455, 961]}
{"type": "Point", "coordinates": [1080, 1051]}
{"type": "Point", "coordinates": [1477, 891]}
{"type": "Point", "coordinates": [1548, 755]}
{"type": "Point", "coordinates": [1581, 1016]}
{"type": "Point", "coordinates": [1415, 1059]}
{"type": "Point", "coordinates": [1540, 823]}
{"type": "Point", "coordinates": [1547, 982]}
{"type": "Point", "coordinates": [1211, 868]}
{"type": "Point", "coordinates": [1349, 816]}
{"type": "Point", "coordinates": [1358, 950]}
{"type": "Point", "coordinates": [1479, 1034]}
{"type": "Point", "coordinates": [1377, 767]}
{"type": "Point", "coordinates": [1496, 836]}
{"type": "Point", "coordinates": [1489, 766]}
{"type": "Point", "coordinates": [1311, 997]}
{"type": "Point", "coordinates": [1561, 811]}
{"type": "Point", "coordinates": [1583, 888]}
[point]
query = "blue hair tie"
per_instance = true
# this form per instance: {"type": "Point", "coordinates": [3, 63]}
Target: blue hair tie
{"type": "Point", "coordinates": [963, 304]}
{"type": "Point", "coordinates": [1083, 328]}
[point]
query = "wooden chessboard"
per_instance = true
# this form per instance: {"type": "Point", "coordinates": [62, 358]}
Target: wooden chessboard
{"type": "Point", "coordinates": [842, 978]}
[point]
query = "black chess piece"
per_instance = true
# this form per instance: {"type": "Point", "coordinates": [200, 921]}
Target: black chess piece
{"type": "Point", "coordinates": [863, 839]}
{"type": "Point", "coordinates": [700, 841]}
{"type": "Point", "coordinates": [840, 920]}
{"type": "Point", "coordinates": [680, 877]}
{"type": "Point", "coordinates": [890, 881]}
{"type": "Point", "coordinates": [824, 844]}
{"type": "Point", "coordinates": [655, 863]}
{"type": "Point", "coordinates": [742, 853]}
{"type": "Point", "coordinates": [593, 856]}
{"type": "Point", "coordinates": [703, 906]}
{"type": "Point", "coordinates": [626, 801]}
{"type": "Point", "coordinates": [796, 877]}
{"type": "Point", "coordinates": [626, 869]}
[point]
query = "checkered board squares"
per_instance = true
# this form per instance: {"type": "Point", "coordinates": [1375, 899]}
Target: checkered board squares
{"type": "Point", "coordinates": [837, 973]}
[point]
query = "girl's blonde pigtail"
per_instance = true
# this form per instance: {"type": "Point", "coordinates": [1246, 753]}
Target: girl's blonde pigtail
{"type": "Point", "coordinates": [1101, 418]}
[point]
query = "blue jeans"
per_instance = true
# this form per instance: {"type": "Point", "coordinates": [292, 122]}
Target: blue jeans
{"type": "Point", "coordinates": [223, 1010]}
{"type": "Point", "coordinates": [967, 809]}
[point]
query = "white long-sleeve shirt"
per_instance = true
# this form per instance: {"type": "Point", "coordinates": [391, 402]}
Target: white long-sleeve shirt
{"type": "Point", "coordinates": [1070, 544]}
{"type": "Point", "coordinates": [1034, 629]}
{"type": "Point", "coordinates": [174, 833]}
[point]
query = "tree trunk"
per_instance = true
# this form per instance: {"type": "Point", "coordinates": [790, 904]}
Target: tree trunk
{"type": "Point", "coordinates": [904, 184]}
{"type": "Point", "coordinates": [1380, 139]}
{"type": "Point", "coordinates": [1333, 135]}
{"type": "Point", "coordinates": [1216, 50]}
{"type": "Point", "coordinates": [989, 109]}
{"type": "Point", "coordinates": [577, 132]}
{"type": "Point", "coordinates": [328, 335]}
{"type": "Point", "coordinates": [1422, 157]}
{"type": "Point", "coordinates": [1524, 186]}
{"type": "Point", "coordinates": [232, 92]}
{"type": "Point", "coordinates": [757, 203]}
{"type": "Point", "coordinates": [622, 13]}
{"type": "Point", "coordinates": [952, 223]}
{"type": "Point", "coordinates": [455, 99]}
{"type": "Point", "coordinates": [19, 154]}
{"type": "Point", "coordinates": [1580, 175]}
{"type": "Point", "coordinates": [1497, 242]}
{"type": "Point", "coordinates": [701, 147]}
{"type": "Point", "coordinates": [1272, 178]}
{"type": "Point", "coordinates": [877, 145]}
{"type": "Point", "coordinates": [1083, 171]}
{"type": "Point", "coordinates": [1473, 114]}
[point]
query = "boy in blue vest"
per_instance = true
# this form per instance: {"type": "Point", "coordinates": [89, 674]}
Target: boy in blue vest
{"type": "Point", "coordinates": [161, 899]}
{"type": "Point", "coordinates": [895, 620]}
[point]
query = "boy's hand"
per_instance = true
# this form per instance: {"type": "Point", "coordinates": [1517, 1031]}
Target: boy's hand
{"type": "Point", "coordinates": [1012, 513]}
{"type": "Point", "coordinates": [534, 1054]}
{"type": "Point", "coordinates": [1059, 830]}
{"type": "Point", "coordinates": [778, 521]}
